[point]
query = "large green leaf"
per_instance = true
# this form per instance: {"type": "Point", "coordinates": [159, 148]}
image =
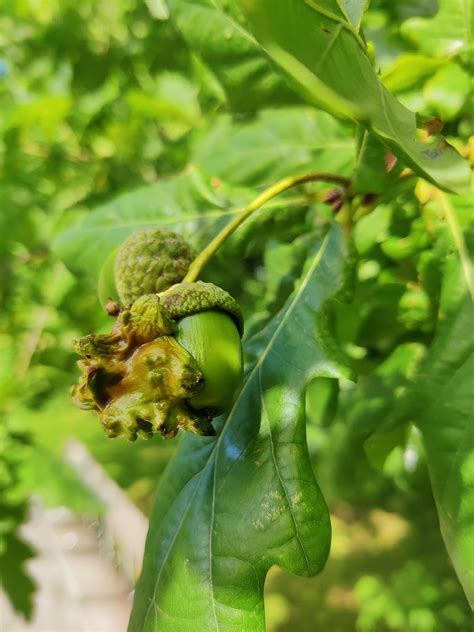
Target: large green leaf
{"type": "Point", "coordinates": [230, 508]}
{"type": "Point", "coordinates": [278, 143]}
{"type": "Point", "coordinates": [316, 44]}
{"type": "Point", "coordinates": [219, 39]}
{"type": "Point", "coordinates": [445, 400]}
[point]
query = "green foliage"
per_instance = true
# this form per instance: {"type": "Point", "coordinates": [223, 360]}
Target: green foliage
{"type": "Point", "coordinates": [259, 462]}
{"type": "Point", "coordinates": [14, 552]}
{"type": "Point", "coordinates": [398, 608]}
{"type": "Point", "coordinates": [275, 144]}
{"type": "Point", "coordinates": [335, 72]}
{"type": "Point", "coordinates": [187, 202]}
{"type": "Point", "coordinates": [444, 413]}
{"type": "Point", "coordinates": [171, 114]}
{"type": "Point", "coordinates": [232, 67]}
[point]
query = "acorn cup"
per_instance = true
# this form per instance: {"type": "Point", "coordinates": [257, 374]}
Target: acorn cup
{"type": "Point", "coordinates": [173, 359]}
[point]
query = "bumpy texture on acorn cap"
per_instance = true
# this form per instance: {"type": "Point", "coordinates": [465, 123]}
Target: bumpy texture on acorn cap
{"type": "Point", "coordinates": [151, 260]}
{"type": "Point", "coordinates": [138, 377]}
{"type": "Point", "coordinates": [184, 299]}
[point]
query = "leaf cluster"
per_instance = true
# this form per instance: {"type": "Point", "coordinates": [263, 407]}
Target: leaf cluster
{"type": "Point", "coordinates": [177, 114]}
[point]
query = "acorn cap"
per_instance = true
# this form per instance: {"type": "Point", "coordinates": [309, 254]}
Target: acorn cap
{"type": "Point", "coordinates": [150, 261]}
{"type": "Point", "coordinates": [185, 299]}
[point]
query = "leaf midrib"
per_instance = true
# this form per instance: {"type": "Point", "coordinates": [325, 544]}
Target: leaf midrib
{"type": "Point", "coordinates": [344, 22]}
{"type": "Point", "coordinates": [215, 449]}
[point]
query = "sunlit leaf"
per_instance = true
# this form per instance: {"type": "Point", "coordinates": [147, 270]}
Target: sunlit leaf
{"type": "Point", "coordinates": [218, 37]}
{"type": "Point", "coordinates": [336, 73]}
{"type": "Point", "coordinates": [230, 508]}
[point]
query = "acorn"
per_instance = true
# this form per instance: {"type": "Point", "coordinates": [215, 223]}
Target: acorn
{"type": "Point", "coordinates": [209, 327]}
{"type": "Point", "coordinates": [173, 360]}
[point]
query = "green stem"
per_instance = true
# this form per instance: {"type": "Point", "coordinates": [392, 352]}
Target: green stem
{"type": "Point", "coordinates": [210, 250]}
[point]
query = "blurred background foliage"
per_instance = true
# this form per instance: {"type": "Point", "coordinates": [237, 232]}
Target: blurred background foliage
{"type": "Point", "coordinates": [101, 99]}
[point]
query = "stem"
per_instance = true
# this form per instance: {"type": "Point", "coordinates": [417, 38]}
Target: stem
{"type": "Point", "coordinates": [210, 250]}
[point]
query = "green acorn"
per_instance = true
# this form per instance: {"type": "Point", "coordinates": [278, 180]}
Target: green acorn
{"type": "Point", "coordinates": [150, 260]}
{"type": "Point", "coordinates": [173, 360]}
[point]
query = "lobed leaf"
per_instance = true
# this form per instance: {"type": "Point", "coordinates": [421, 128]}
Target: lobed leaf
{"type": "Point", "coordinates": [230, 508]}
